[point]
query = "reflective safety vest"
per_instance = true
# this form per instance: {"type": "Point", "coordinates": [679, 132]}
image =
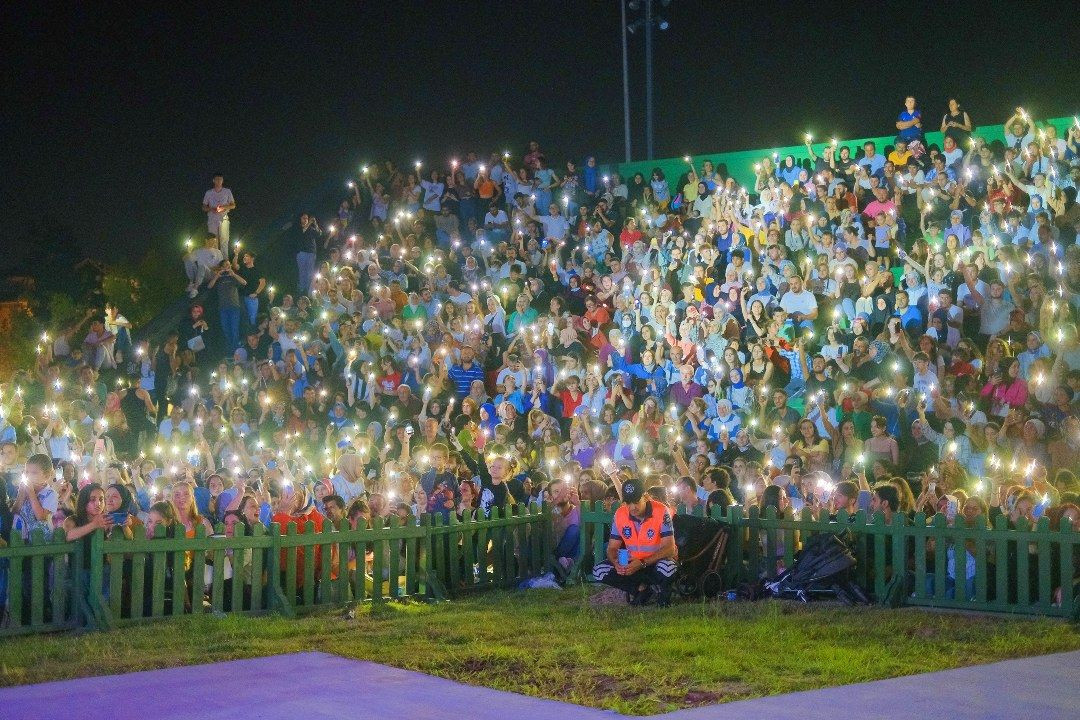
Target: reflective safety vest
{"type": "Point", "coordinates": [644, 539]}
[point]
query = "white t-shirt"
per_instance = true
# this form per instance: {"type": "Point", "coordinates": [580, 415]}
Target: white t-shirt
{"type": "Point", "coordinates": [554, 227]}
{"type": "Point", "coordinates": [925, 384]}
{"type": "Point", "coordinates": [433, 192]}
{"type": "Point", "coordinates": [213, 198]}
{"type": "Point", "coordinates": [964, 296]}
{"type": "Point", "coordinates": [953, 156]}
{"type": "Point", "coordinates": [209, 258]}
{"type": "Point", "coordinates": [803, 302]}
{"type": "Point", "coordinates": [25, 521]}
{"type": "Point", "coordinates": [496, 218]}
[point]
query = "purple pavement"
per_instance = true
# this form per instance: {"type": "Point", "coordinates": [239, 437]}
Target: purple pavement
{"type": "Point", "coordinates": [300, 686]}
{"type": "Point", "coordinates": [316, 685]}
{"type": "Point", "coordinates": [1045, 687]}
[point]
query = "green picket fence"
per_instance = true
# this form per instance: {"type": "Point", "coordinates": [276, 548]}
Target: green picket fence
{"type": "Point", "coordinates": [98, 583]}
{"type": "Point", "coordinates": [1030, 570]}
{"type": "Point", "coordinates": [499, 551]}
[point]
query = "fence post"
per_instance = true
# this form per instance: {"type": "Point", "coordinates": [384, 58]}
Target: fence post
{"type": "Point", "coordinates": [900, 536]}
{"type": "Point", "coordinates": [544, 546]}
{"type": "Point", "coordinates": [981, 567]}
{"type": "Point", "coordinates": [880, 534]}
{"type": "Point", "coordinates": [736, 569]}
{"type": "Point", "coordinates": [378, 560]}
{"type": "Point", "coordinates": [100, 617]}
{"type": "Point", "coordinates": [1023, 564]}
{"type": "Point", "coordinates": [276, 598]}
{"type": "Point", "coordinates": [1069, 545]}
{"type": "Point", "coordinates": [1044, 559]}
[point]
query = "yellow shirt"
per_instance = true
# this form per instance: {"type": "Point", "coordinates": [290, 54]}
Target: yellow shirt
{"type": "Point", "coordinates": [374, 339]}
{"type": "Point", "coordinates": [689, 192]}
{"type": "Point", "coordinates": [899, 160]}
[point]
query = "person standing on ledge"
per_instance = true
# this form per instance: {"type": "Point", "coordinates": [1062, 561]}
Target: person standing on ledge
{"type": "Point", "coordinates": [641, 552]}
{"type": "Point", "coordinates": [216, 203]}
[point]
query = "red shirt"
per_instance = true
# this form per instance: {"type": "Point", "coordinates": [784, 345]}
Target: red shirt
{"type": "Point", "coordinates": [300, 521]}
{"type": "Point", "coordinates": [628, 237]}
{"type": "Point", "coordinates": [390, 382]}
{"type": "Point", "coordinates": [598, 316]}
{"type": "Point", "coordinates": [569, 402]}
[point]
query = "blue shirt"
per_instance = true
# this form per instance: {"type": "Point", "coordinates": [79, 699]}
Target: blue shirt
{"type": "Point", "coordinates": [463, 378]}
{"type": "Point", "coordinates": [790, 175]}
{"type": "Point", "coordinates": [515, 398]}
{"type": "Point", "coordinates": [873, 165]}
{"type": "Point", "coordinates": [913, 132]}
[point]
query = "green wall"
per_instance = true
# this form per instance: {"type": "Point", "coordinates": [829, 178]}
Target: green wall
{"type": "Point", "coordinates": [740, 163]}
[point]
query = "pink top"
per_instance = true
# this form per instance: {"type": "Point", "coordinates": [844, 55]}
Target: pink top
{"type": "Point", "coordinates": [1004, 396]}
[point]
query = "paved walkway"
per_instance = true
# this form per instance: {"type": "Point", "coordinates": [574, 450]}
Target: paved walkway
{"type": "Point", "coordinates": [317, 686]}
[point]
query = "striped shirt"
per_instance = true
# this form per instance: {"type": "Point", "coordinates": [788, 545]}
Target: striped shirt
{"type": "Point", "coordinates": [463, 377]}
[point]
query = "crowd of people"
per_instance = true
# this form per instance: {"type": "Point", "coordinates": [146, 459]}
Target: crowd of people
{"type": "Point", "coordinates": [883, 329]}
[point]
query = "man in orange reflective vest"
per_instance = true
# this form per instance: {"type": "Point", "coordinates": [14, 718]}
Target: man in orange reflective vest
{"type": "Point", "coordinates": [641, 551]}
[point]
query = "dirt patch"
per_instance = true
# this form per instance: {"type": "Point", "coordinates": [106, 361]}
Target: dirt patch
{"type": "Point", "coordinates": [608, 596]}
{"type": "Point", "coordinates": [719, 693]}
{"type": "Point", "coordinates": [702, 697]}
{"type": "Point", "coordinates": [608, 686]}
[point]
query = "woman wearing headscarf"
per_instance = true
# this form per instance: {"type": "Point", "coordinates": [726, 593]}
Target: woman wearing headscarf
{"type": "Point", "coordinates": [349, 481]}
{"type": "Point", "coordinates": [621, 449]}
{"type": "Point", "coordinates": [488, 420]}
{"type": "Point", "coordinates": [1035, 350]}
{"type": "Point", "coordinates": [590, 175]}
{"type": "Point", "coordinates": [738, 392]}
{"type": "Point", "coordinates": [789, 171]}
{"type": "Point", "coordinates": [726, 421]}
{"type": "Point", "coordinates": [119, 501]}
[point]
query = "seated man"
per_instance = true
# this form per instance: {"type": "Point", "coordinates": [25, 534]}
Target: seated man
{"type": "Point", "coordinates": [566, 522]}
{"type": "Point", "coordinates": [199, 264]}
{"type": "Point", "coordinates": [641, 551]}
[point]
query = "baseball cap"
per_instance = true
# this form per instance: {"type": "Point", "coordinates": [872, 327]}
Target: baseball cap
{"type": "Point", "coordinates": [631, 491]}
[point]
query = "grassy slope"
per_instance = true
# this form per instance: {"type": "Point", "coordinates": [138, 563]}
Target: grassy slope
{"type": "Point", "coordinates": [552, 644]}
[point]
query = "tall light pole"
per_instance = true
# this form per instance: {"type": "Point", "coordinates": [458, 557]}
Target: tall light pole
{"type": "Point", "coordinates": [625, 84]}
{"type": "Point", "coordinates": [647, 23]}
{"type": "Point", "coordinates": [648, 80]}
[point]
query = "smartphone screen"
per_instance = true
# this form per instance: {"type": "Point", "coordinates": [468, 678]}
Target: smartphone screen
{"type": "Point", "coordinates": [863, 501]}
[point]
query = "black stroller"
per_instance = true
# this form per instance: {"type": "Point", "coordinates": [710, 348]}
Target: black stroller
{"type": "Point", "coordinates": [821, 569]}
{"type": "Point", "coordinates": [702, 544]}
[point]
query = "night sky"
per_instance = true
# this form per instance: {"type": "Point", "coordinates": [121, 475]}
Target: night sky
{"type": "Point", "coordinates": [119, 115]}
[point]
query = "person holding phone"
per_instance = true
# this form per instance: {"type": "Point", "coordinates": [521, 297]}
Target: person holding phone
{"type": "Point", "coordinates": [118, 504]}
{"type": "Point", "coordinates": [641, 554]}
{"type": "Point", "coordinates": [35, 500]}
{"type": "Point", "coordinates": [217, 202]}
{"type": "Point", "coordinates": [89, 514]}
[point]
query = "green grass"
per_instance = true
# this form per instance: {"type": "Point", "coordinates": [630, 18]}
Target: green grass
{"type": "Point", "coordinates": [553, 644]}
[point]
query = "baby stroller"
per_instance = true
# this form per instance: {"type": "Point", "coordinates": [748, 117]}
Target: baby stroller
{"type": "Point", "coordinates": [821, 569]}
{"type": "Point", "coordinates": [702, 544]}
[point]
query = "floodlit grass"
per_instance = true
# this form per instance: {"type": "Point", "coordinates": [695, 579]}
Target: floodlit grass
{"type": "Point", "coordinates": [553, 644]}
